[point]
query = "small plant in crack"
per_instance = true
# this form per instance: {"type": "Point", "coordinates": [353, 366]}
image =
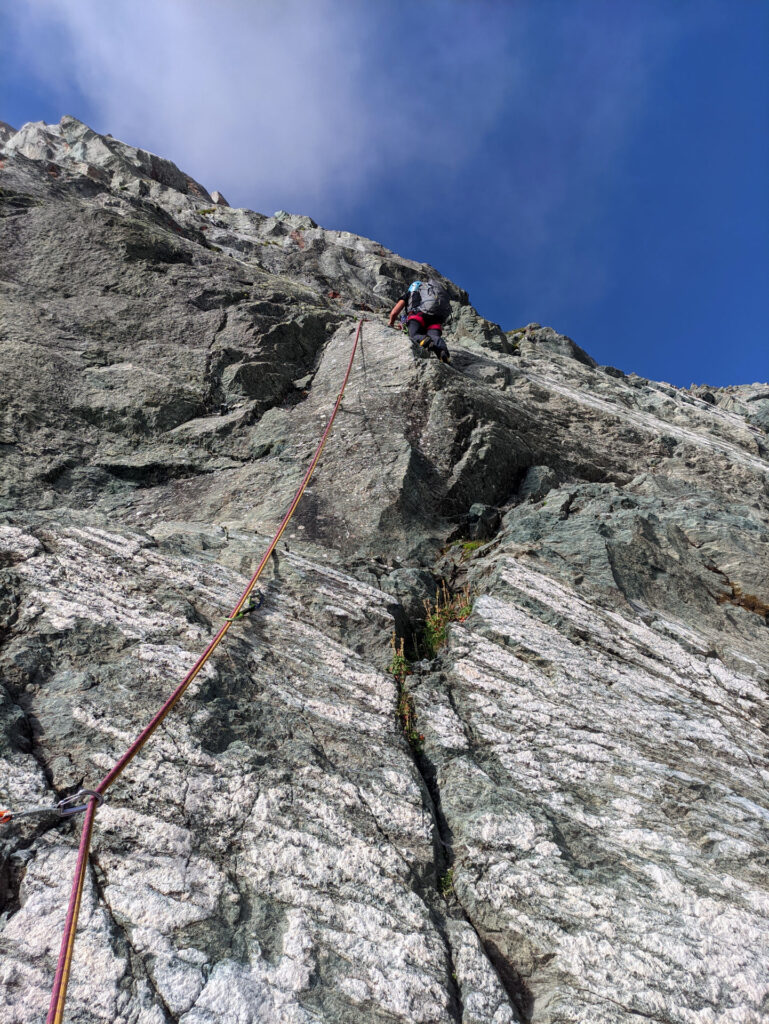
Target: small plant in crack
{"type": "Point", "coordinates": [408, 718]}
{"type": "Point", "coordinates": [446, 608]}
{"type": "Point", "coordinates": [446, 883]}
{"type": "Point", "coordinates": [400, 669]}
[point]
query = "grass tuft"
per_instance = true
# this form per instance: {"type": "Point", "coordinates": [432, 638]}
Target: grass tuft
{"type": "Point", "coordinates": [400, 669]}
{"type": "Point", "coordinates": [445, 609]}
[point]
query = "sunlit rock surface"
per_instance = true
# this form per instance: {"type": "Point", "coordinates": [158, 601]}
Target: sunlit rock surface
{"type": "Point", "coordinates": [576, 828]}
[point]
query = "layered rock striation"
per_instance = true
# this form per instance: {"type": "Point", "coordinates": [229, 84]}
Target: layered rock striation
{"type": "Point", "coordinates": [559, 815]}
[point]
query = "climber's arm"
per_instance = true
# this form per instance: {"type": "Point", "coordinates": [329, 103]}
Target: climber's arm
{"type": "Point", "coordinates": [396, 310]}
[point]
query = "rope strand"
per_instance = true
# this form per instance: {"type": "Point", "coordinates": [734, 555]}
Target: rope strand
{"type": "Point", "coordinates": [61, 979]}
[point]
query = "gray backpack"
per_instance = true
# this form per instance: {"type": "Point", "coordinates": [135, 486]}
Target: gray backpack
{"type": "Point", "coordinates": [433, 301]}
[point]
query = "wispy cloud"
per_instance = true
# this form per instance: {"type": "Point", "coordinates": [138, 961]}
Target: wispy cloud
{"type": "Point", "coordinates": [517, 115]}
{"type": "Point", "coordinates": [297, 99]}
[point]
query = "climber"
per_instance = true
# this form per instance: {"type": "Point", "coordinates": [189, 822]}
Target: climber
{"type": "Point", "coordinates": [427, 308]}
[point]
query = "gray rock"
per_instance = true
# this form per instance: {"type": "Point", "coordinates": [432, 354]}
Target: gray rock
{"type": "Point", "coordinates": [560, 817]}
{"type": "Point", "coordinates": [76, 147]}
{"type": "Point", "coordinates": [482, 521]}
{"type": "Point", "coordinates": [748, 400]}
{"type": "Point", "coordinates": [535, 339]}
{"type": "Point", "coordinates": [537, 482]}
{"type": "Point", "coordinates": [412, 587]}
{"type": "Point", "coordinates": [595, 816]}
{"type": "Point", "coordinates": [612, 371]}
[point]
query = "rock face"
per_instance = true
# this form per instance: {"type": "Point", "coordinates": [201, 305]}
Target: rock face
{"type": "Point", "coordinates": [559, 816]}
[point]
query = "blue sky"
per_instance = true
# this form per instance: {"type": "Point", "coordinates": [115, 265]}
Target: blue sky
{"type": "Point", "coordinates": [598, 165]}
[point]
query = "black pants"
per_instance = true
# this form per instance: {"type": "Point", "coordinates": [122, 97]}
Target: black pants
{"type": "Point", "coordinates": [435, 342]}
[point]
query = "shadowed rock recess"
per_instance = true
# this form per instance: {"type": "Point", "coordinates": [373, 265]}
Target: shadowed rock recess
{"type": "Point", "coordinates": [573, 826]}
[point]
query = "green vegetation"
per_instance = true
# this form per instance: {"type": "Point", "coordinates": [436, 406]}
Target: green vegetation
{"type": "Point", "coordinates": [408, 719]}
{"type": "Point", "coordinates": [446, 608]}
{"type": "Point", "coordinates": [471, 545]}
{"type": "Point", "coordinates": [399, 664]}
{"type": "Point", "coordinates": [208, 209]}
{"type": "Point", "coordinates": [400, 669]}
{"type": "Point", "coordinates": [446, 883]}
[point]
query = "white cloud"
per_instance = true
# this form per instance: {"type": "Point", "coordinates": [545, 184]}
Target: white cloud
{"type": "Point", "coordinates": [296, 100]}
{"type": "Point", "coordinates": [514, 118]}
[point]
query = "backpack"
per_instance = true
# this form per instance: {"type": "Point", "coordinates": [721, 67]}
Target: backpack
{"type": "Point", "coordinates": [431, 300]}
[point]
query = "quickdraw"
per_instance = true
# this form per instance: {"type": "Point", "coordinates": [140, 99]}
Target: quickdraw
{"type": "Point", "coordinates": [251, 606]}
{"type": "Point", "coordinates": [66, 808]}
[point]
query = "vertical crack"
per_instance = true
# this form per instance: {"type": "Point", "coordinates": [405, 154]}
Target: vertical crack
{"type": "Point", "coordinates": [137, 967]}
{"type": "Point", "coordinates": [510, 980]}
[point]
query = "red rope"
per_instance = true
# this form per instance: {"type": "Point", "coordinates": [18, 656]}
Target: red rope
{"type": "Point", "coordinates": [59, 994]}
{"type": "Point", "coordinates": [61, 979]}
